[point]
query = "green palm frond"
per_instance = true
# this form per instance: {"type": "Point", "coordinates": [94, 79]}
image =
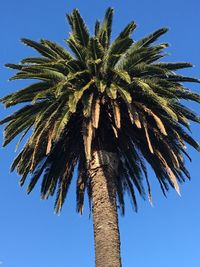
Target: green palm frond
{"type": "Point", "coordinates": [146, 41]}
{"type": "Point", "coordinates": [104, 32]}
{"type": "Point", "coordinates": [79, 29]}
{"type": "Point", "coordinates": [41, 48]}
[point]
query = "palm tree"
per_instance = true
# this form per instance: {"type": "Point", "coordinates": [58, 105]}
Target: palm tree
{"type": "Point", "coordinates": [106, 108]}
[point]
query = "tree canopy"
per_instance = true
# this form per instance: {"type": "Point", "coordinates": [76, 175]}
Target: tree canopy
{"type": "Point", "coordinates": [101, 95]}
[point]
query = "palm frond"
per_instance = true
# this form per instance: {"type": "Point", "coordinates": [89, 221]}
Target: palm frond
{"type": "Point", "coordinates": [104, 33]}
{"type": "Point", "coordinates": [79, 28]}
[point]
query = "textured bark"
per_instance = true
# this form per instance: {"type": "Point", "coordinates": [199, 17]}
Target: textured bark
{"type": "Point", "coordinates": [103, 170]}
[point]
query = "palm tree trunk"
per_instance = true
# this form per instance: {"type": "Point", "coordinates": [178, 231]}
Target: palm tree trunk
{"type": "Point", "coordinates": [103, 169]}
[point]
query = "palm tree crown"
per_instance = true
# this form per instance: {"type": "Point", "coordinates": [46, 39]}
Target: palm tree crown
{"type": "Point", "coordinates": [103, 96]}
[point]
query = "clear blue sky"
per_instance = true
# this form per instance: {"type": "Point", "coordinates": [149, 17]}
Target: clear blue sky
{"type": "Point", "coordinates": [31, 235]}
